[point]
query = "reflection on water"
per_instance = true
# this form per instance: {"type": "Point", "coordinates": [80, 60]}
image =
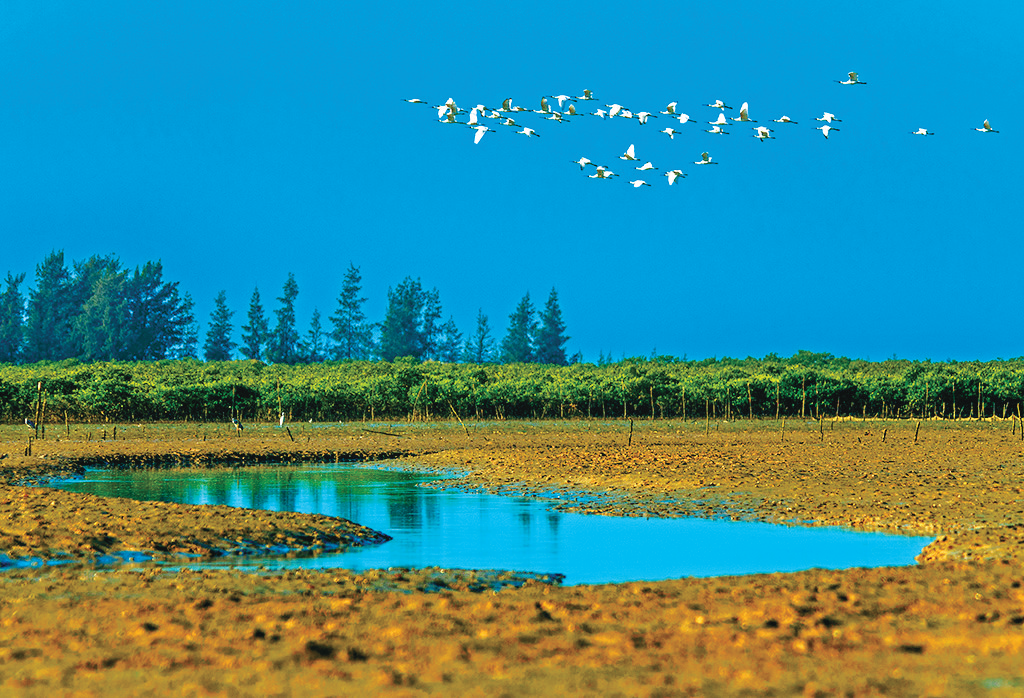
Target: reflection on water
{"type": "Point", "coordinates": [453, 529]}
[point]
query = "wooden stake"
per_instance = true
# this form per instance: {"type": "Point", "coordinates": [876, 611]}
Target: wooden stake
{"type": "Point", "coordinates": [458, 417]}
{"type": "Point", "coordinates": [630, 441]}
{"type": "Point", "coordinates": [783, 428]}
{"type": "Point", "coordinates": [916, 431]}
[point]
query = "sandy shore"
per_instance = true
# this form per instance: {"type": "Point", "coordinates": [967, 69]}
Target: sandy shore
{"type": "Point", "coordinates": [952, 625]}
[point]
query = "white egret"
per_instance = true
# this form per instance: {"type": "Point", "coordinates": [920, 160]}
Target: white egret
{"type": "Point", "coordinates": [986, 128]}
{"type": "Point", "coordinates": [614, 109]}
{"type": "Point", "coordinates": [629, 154]}
{"type": "Point", "coordinates": [852, 80]}
{"type": "Point", "coordinates": [562, 99]}
{"type": "Point", "coordinates": [626, 114]}
{"type": "Point", "coordinates": [603, 173]}
{"type": "Point", "coordinates": [544, 107]}
{"type": "Point", "coordinates": [785, 120]}
{"type": "Point", "coordinates": [763, 133]}
{"type": "Point", "coordinates": [744, 116]}
{"type": "Point", "coordinates": [527, 131]}
{"type": "Point", "coordinates": [825, 129]}
{"type": "Point", "coordinates": [720, 121]}
{"type": "Point", "coordinates": [922, 132]}
{"type": "Point", "coordinates": [646, 166]}
{"type": "Point", "coordinates": [670, 131]}
{"type": "Point", "coordinates": [587, 94]}
{"type": "Point", "coordinates": [480, 131]}
{"type": "Point", "coordinates": [414, 101]}
{"type": "Point", "coordinates": [473, 116]}
{"type": "Point", "coordinates": [583, 162]}
{"type": "Point", "coordinates": [717, 129]}
{"type": "Point", "coordinates": [637, 183]}
{"type": "Point", "coordinates": [572, 110]}
{"type": "Point", "coordinates": [643, 115]}
{"type": "Point", "coordinates": [670, 109]}
{"type": "Point", "coordinates": [599, 112]}
{"type": "Point", "coordinates": [683, 118]}
{"type": "Point", "coordinates": [718, 104]}
{"type": "Point", "coordinates": [705, 159]}
{"type": "Point", "coordinates": [673, 175]}
{"type": "Point", "coordinates": [555, 116]}
{"type": "Point", "coordinates": [827, 116]}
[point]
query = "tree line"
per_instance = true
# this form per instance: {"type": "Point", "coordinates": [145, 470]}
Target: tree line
{"type": "Point", "coordinates": [807, 385]}
{"type": "Point", "coordinates": [97, 310]}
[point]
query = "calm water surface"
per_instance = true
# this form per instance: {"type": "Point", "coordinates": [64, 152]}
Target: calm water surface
{"type": "Point", "coordinates": [456, 529]}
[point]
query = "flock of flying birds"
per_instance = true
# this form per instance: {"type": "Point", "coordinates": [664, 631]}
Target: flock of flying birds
{"type": "Point", "coordinates": [449, 113]}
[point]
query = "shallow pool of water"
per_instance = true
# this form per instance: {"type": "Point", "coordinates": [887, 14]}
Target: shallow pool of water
{"type": "Point", "coordinates": [455, 529]}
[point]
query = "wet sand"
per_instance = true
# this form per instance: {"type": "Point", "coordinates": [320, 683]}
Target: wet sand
{"type": "Point", "coordinates": [952, 625]}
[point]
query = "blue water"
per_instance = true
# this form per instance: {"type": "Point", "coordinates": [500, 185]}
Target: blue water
{"type": "Point", "coordinates": [456, 529]}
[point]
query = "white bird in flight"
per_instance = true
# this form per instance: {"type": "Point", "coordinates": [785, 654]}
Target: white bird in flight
{"type": "Point", "coordinates": [720, 121]}
{"type": "Point", "coordinates": [851, 81]}
{"type": "Point", "coordinates": [717, 129]}
{"type": "Point", "coordinates": [683, 118]}
{"type": "Point", "coordinates": [763, 133]}
{"type": "Point", "coordinates": [825, 129]}
{"type": "Point", "coordinates": [603, 173]}
{"type": "Point", "coordinates": [986, 127]}
{"type": "Point", "coordinates": [629, 154]}
{"type": "Point", "coordinates": [480, 131]}
{"type": "Point", "coordinates": [646, 166]}
{"type": "Point", "coordinates": [670, 109]}
{"type": "Point", "coordinates": [583, 162]}
{"type": "Point", "coordinates": [705, 159]}
{"type": "Point", "coordinates": [718, 104]}
{"type": "Point", "coordinates": [784, 120]}
{"type": "Point", "coordinates": [414, 100]}
{"type": "Point", "coordinates": [743, 114]}
{"type": "Point", "coordinates": [922, 132]}
{"type": "Point", "coordinates": [637, 183]}
{"type": "Point", "coordinates": [527, 131]}
{"type": "Point", "coordinates": [562, 99]}
{"type": "Point", "coordinates": [673, 175]}
{"type": "Point", "coordinates": [827, 116]}
{"type": "Point", "coordinates": [670, 131]}
{"type": "Point", "coordinates": [642, 116]}
{"type": "Point", "coordinates": [614, 109]}
{"type": "Point", "coordinates": [587, 94]}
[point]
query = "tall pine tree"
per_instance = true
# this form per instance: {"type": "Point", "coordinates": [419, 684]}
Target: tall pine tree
{"type": "Point", "coordinates": [312, 347]}
{"type": "Point", "coordinates": [449, 345]}
{"type": "Point", "coordinates": [50, 312]}
{"type": "Point", "coordinates": [479, 348]}
{"type": "Point", "coordinates": [401, 333]}
{"type": "Point", "coordinates": [551, 338]}
{"type": "Point", "coordinates": [254, 335]}
{"type": "Point", "coordinates": [283, 347]}
{"type": "Point", "coordinates": [518, 344]}
{"type": "Point", "coordinates": [352, 334]}
{"type": "Point", "coordinates": [12, 319]}
{"type": "Point", "coordinates": [218, 345]}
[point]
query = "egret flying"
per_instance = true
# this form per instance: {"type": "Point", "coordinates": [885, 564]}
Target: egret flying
{"type": "Point", "coordinates": [527, 131]}
{"type": "Point", "coordinates": [587, 94]}
{"type": "Point", "coordinates": [599, 112]}
{"type": "Point", "coordinates": [717, 129]}
{"type": "Point", "coordinates": [637, 183]}
{"type": "Point", "coordinates": [603, 173]}
{"type": "Point", "coordinates": [705, 159]}
{"type": "Point", "coordinates": [642, 116]}
{"type": "Point", "coordinates": [614, 109]}
{"type": "Point", "coordinates": [414, 101]}
{"type": "Point", "coordinates": [851, 81]}
{"type": "Point", "coordinates": [720, 121]}
{"type": "Point", "coordinates": [673, 175]}
{"type": "Point", "coordinates": [718, 104]}
{"type": "Point", "coordinates": [480, 131]}
{"type": "Point", "coordinates": [922, 132]}
{"type": "Point", "coordinates": [670, 109]}
{"type": "Point", "coordinates": [827, 116]}
{"type": "Point", "coordinates": [986, 128]}
{"type": "Point", "coordinates": [562, 99]}
{"type": "Point", "coordinates": [743, 114]}
{"type": "Point", "coordinates": [544, 107]}
{"type": "Point", "coordinates": [825, 129]}
{"type": "Point", "coordinates": [646, 166]}
{"type": "Point", "coordinates": [629, 154]}
{"type": "Point", "coordinates": [670, 131]}
{"type": "Point", "coordinates": [683, 118]}
{"type": "Point", "coordinates": [763, 133]}
{"type": "Point", "coordinates": [583, 162]}
{"type": "Point", "coordinates": [785, 120]}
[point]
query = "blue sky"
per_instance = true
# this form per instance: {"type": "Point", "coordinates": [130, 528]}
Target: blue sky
{"type": "Point", "coordinates": [239, 141]}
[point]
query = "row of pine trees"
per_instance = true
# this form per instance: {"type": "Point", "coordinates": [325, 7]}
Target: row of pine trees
{"type": "Point", "coordinates": [97, 310]}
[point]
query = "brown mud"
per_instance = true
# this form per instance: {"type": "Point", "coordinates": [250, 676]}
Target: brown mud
{"type": "Point", "coordinates": [951, 625]}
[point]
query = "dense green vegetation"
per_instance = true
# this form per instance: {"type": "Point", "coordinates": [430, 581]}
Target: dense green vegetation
{"type": "Point", "coordinates": [805, 385]}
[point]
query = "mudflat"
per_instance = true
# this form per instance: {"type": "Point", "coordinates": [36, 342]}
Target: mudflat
{"type": "Point", "coordinates": [951, 625]}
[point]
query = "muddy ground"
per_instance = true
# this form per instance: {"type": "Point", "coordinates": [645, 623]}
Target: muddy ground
{"type": "Point", "coordinates": [951, 625]}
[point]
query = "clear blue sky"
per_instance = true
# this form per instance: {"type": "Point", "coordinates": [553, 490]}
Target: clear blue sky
{"type": "Point", "coordinates": [238, 141]}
